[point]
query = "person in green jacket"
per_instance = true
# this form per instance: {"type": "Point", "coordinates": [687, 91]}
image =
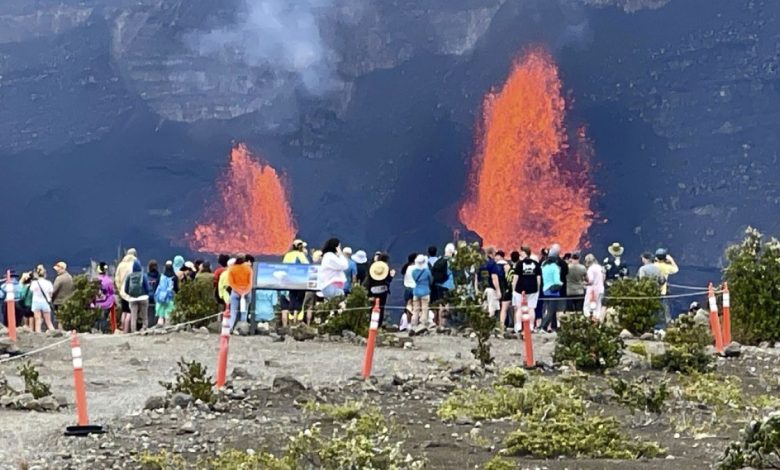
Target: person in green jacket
{"type": "Point", "coordinates": [25, 301]}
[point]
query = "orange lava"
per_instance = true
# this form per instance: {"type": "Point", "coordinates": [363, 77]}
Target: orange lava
{"type": "Point", "coordinates": [528, 185]}
{"type": "Point", "coordinates": [252, 213]}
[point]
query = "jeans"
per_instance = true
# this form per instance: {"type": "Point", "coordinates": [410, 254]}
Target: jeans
{"type": "Point", "coordinates": [235, 307]}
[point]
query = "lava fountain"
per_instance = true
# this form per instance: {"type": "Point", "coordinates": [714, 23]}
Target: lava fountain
{"type": "Point", "coordinates": [528, 184]}
{"type": "Point", "coordinates": [251, 213]}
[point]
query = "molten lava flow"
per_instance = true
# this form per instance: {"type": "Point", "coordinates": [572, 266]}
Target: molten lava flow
{"type": "Point", "coordinates": [251, 215]}
{"type": "Point", "coordinates": [528, 185]}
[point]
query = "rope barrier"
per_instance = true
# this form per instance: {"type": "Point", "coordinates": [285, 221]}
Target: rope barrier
{"type": "Point", "coordinates": [34, 351]}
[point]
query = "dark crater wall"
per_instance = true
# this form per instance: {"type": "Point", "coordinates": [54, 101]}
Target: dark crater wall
{"type": "Point", "coordinates": [112, 130]}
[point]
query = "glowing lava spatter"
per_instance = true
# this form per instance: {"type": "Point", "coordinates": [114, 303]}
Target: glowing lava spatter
{"type": "Point", "coordinates": [251, 213]}
{"type": "Point", "coordinates": [528, 185]}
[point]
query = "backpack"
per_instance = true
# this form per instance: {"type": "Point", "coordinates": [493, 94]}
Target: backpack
{"type": "Point", "coordinates": [551, 277]}
{"type": "Point", "coordinates": [509, 273]}
{"type": "Point", "coordinates": [439, 271]}
{"type": "Point", "coordinates": [135, 284]}
{"type": "Point", "coordinates": [164, 292]}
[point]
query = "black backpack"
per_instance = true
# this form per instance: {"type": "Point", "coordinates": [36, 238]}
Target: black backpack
{"type": "Point", "coordinates": [439, 271]}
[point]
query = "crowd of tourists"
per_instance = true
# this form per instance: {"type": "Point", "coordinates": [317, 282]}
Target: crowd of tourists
{"type": "Point", "coordinates": [548, 282]}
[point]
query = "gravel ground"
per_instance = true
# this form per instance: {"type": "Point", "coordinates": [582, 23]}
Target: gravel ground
{"type": "Point", "coordinates": [122, 372]}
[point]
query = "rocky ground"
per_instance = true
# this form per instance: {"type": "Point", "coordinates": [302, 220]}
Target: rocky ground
{"type": "Point", "coordinates": [272, 378]}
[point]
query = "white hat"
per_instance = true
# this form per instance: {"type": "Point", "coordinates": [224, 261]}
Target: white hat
{"type": "Point", "coordinates": [449, 249]}
{"type": "Point", "coordinates": [360, 257]}
{"type": "Point", "coordinates": [231, 262]}
{"type": "Point", "coordinates": [347, 250]}
{"type": "Point", "coordinates": [421, 260]}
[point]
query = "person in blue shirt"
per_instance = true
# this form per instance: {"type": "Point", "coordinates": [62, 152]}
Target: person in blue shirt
{"type": "Point", "coordinates": [16, 288]}
{"type": "Point", "coordinates": [350, 272]}
{"type": "Point", "coordinates": [421, 293]}
{"type": "Point", "coordinates": [265, 301]}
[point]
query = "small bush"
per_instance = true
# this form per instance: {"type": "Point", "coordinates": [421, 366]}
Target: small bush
{"type": "Point", "coordinates": [686, 342]}
{"type": "Point", "coordinates": [344, 412]}
{"type": "Point", "coordinates": [33, 384]}
{"type": "Point", "coordinates": [513, 376]}
{"type": "Point", "coordinates": [591, 346]}
{"type": "Point", "coordinates": [192, 379]}
{"type": "Point", "coordinates": [162, 460]}
{"type": "Point", "coordinates": [636, 315]}
{"type": "Point", "coordinates": [194, 300]}
{"type": "Point", "coordinates": [753, 274]}
{"type": "Point", "coordinates": [355, 316]}
{"type": "Point", "coordinates": [758, 448]}
{"type": "Point", "coordinates": [499, 463]}
{"type": "Point", "coordinates": [539, 396]}
{"type": "Point", "coordinates": [77, 312]}
{"type": "Point", "coordinates": [638, 348]}
{"type": "Point", "coordinates": [573, 435]}
{"type": "Point", "coordinates": [641, 394]}
{"type": "Point", "coordinates": [720, 392]}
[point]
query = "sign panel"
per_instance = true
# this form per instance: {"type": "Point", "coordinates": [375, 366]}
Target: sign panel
{"type": "Point", "coordinates": [279, 276]}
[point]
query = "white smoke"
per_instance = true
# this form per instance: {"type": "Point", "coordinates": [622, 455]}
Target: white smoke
{"type": "Point", "coordinates": [280, 36]}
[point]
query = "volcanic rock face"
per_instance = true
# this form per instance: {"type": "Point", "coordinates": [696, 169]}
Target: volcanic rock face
{"type": "Point", "coordinates": [132, 106]}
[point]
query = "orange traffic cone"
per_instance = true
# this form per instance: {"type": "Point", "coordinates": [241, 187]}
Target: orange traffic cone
{"type": "Point", "coordinates": [368, 361]}
{"type": "Point", "coordinates": [224, 343]}
{"type": "Point", "coordinates": [714, 320]}
{"type": "Point", "coordinates": [525, 317]}
{"type": "Point", "coordinates": [10, 306]}
{"type": "Point", "coordinates": [83, 428]}
{"type": "Point", "coordinates": [726, 314]}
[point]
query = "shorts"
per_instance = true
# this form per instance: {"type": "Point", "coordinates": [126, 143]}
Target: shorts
{"type": "Point", "coordinates": [506, 296]}
{"type": "Point", "coordinates": [125, 306]}
{"type": "Point", "coordinates": [408, 294]}
{"type": "Point", "coordinates": [492, 300]}
{"type": "Point", "coordinates": [295, 300]}
{"type": "Point", "coordinates": [38, 306]}
{"type": "Point", "coordinates": [532, 300]}
{"type": "Point", "coordinates": [440, 293]}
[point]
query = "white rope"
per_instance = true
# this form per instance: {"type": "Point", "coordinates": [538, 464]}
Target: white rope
{"type": "Point", "coordinates": [35, 351]}
{"type": "Point", "coordinates": [679, 286]}
{"type": "Point", "coordinates": [165, 330]}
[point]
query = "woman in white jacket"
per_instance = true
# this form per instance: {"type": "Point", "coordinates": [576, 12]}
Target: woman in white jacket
{"type": "Point", "coordinates": [331, 277]}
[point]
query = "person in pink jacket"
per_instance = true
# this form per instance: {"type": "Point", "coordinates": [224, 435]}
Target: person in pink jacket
{"type": "Point", "coordinates": [105, 298]}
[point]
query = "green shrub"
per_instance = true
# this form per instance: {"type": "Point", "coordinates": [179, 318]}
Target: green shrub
{"type": "Point", "coordinates": [193, 301]}
{"type": "Point", "coordinates": [192, 379]}
{"type": "Point", "coordinates": [355, 316]}
{"type": "Point", "coordinates": [720, 392]}
{"type": "Point", "coordinates": [753, 275]}
{"type": "Point", "coordinates": [759, 446]}
{"type": "Point", "coordinates": [636, 315]}
{"type": "Point", "coordinates": [576, 435]}
{"type": "Point", "coordinates": [77, 312]}
{"type": "Point", "coordinates": [33, 384]}
{"type": "Point", "coordinates": [638, 348]}
{"type": "Point", "coordinates": [344, 412]}
{"type": "Point", "coordinates": [640, 393]}
{"type": "Point", "coordinates": [499, 463]}
{"type": "Point", "coordinates": [537, 397]}
{"type": "Point", "coordinates": [162, 460]}
{"type": "Point", "coordinates": [513, 376]}
{"type": "Point", "coordinates": [591, 346]}
{"type": "Point", "coordinates": [686, 342]}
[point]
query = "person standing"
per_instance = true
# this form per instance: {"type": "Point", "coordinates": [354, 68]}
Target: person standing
{"type": "Point", "coordinates": [330, 278]}
{"type": "Point", "coordinates": [406, 272]}
{"type": "Point", "coordinates": [351, 272]}
{"type": "Point", "coordinates": [421, 294]}
{"type": "Point", "coordinates": [594, 292]}
{"type": "Point", "coordinates": [239, 279]}
{"type": "Point", "coordinates": [378, 284]}
{"type": "Point", "coordinates": [106, 299]}
{"type": "Point", "coordinates": [361, 263]}
{"type": "Point", "coordinates": [444, 281]}
{"type": "Point", "coordinates": [123, 269]}
{"type": "Point", "coordinates": [575, 283]}
{"type": "Point", "coordinates": [505, 293]}
{"type": "Point", "coordinates": [15, 286]}
{"type": "Point", "coordinates": [42, 290]}
{"type": "Point", "coordinates": [153, 278]}
{"type": "Point", "coordinates": [222, 260]}
{"type": "Point", "coordinates": [63, 287]}
{"type": "Point", "coordinates": [165, 294]}
{"type": "Point", "coordinates": [294, 300]}
{"type": "Point", "coordinates": [137, 290]}
{"type": "Point", "coordinates": [489, 282]}
{"type": "Point", "coordinates": [204, 273]}
{"type": "Point", "coordinates": [527, 280]}
{"type": "Point", "coordinates": [554, 271]}
{"type": "Point", "coordinates": [615, 269]}
{"type": "Point", "coordinates": [650, 270]}
{"type": "Point", "coordinates": [668, 267]}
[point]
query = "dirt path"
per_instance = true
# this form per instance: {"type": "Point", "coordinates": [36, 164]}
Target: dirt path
{"type": "Point", "coordinates": [122, 372]}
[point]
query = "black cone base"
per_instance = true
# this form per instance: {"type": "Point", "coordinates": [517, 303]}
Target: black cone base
{"type": "Point", "coordinates": [84, 430]}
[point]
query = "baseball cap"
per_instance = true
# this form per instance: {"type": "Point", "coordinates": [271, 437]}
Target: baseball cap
{"type": "Point", "coordinates": [298, 242]}
{"type": "Point", "coordinates": [61, 265]}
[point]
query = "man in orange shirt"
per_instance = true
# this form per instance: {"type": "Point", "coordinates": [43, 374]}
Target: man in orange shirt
{"type": "Point", "coordinates": [239, 280]}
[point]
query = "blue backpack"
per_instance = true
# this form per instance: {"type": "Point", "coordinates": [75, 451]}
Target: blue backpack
{"type": "Point", "coordinates": [164, 292]}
